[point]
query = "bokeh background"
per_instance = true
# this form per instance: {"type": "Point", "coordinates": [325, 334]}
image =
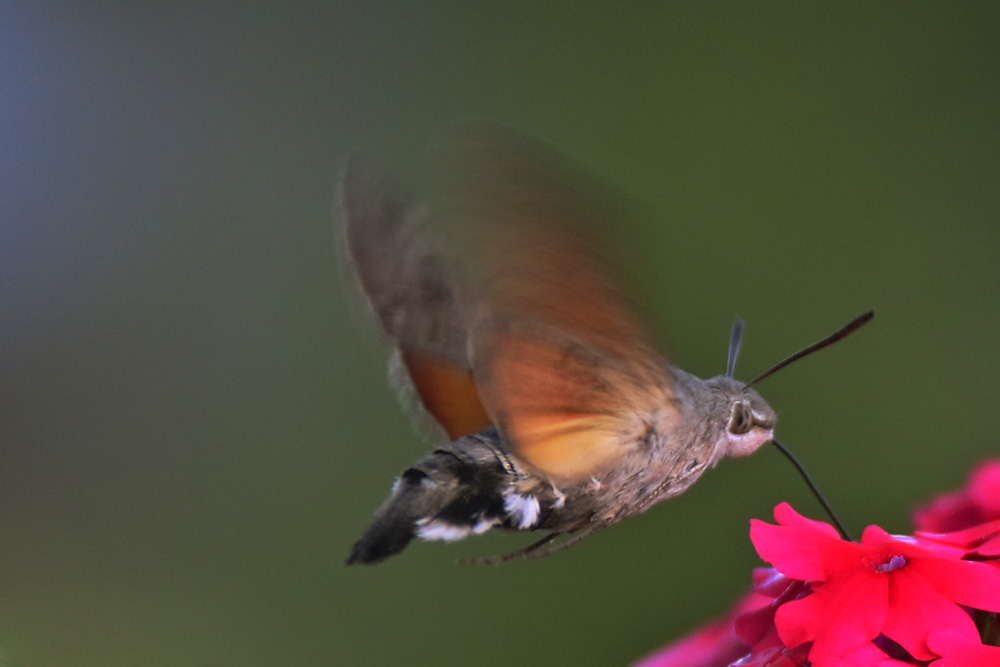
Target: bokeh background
{"type": "Point", "coordinates": [195, 423]}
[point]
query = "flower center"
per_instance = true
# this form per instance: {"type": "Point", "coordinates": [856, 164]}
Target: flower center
{"type": "Point", "coordinates": [893, 563]}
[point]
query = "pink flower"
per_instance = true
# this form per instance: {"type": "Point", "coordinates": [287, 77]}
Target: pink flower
{"type": "Point", "coordinates": [980, 542]}
{"type": "Point", "coordinates": [977, 503]}
{"type": "Point", "coordinates": [889, 601]}
{"type": "Point", "coordinates": [885, 585]}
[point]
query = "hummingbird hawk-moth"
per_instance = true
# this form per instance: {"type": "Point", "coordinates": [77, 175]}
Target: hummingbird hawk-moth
{"type": "Point", "coordinates": [557, 412]}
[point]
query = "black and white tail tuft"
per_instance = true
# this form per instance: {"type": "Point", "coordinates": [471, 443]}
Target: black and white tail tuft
{"type": "Point", "coordinates": [455, 492]}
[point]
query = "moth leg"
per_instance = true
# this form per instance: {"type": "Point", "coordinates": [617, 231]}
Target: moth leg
{"type": "Point", "coordinates": [539, 549]}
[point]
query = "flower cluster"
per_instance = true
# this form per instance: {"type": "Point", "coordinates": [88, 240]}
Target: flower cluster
{"type": "Point", "coordinates": [930, 599]}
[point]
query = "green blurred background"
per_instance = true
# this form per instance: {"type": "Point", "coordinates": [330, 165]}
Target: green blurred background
{"type": "Point", "coordinates": [195, 423]}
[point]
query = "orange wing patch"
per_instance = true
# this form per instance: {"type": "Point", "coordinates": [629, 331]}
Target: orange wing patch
{"type": "Point", "coordinates": [447, 392]}
{"type": "Point", "coordinates": [563, 407]}
{"type": "Point", "coordinates": [566, 447]}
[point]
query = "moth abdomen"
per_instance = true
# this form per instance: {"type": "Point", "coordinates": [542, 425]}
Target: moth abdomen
{"type": "Point", "coordinates": [459, 490]}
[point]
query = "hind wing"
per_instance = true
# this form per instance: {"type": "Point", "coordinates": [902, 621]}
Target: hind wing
{"type": "Point", "coordinates": [415, 297]}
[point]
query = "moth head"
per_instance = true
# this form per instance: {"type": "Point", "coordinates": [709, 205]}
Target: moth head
{"type": "Point", "coordinates": [747, 420]}
{"type": "Point", "coordinates": [751, 419]}
{"type": "Point", "coordinates": [750, 425]}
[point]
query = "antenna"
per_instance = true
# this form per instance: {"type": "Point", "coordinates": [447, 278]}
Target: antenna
{"type": "Point", "coordinates": [735, 341]}
{"type": "Point", "coordinates": [840, 334]}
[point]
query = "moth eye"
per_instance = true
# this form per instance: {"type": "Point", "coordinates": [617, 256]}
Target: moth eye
{"type": "Point", "coordinates": [741, 419]}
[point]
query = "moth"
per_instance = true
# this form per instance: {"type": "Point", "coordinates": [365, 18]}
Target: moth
{"type": "Point", "coordinates": [520, 346]}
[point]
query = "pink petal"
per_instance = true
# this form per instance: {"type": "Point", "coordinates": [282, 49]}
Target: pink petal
{"type": "Point", "coordinates": [979, 501]}
{"type": "Point", "coordinates": [949, 512]}
{"type": "Point", "coordinates": [990, 548]}
{"type": "Point", "coordinates": [984, 489]}
{"type": "Point", "coordinates": [957, 652]}
{"type": "Point", "coordinates": [768, 581]}
{"type": "Point", "coordinates": [966, 538]}
{"type": "Point", "coordinates": [983, 540]}
{"type": "Point", "coordinates": [868, 655]}
{"type": "Point", "coordinates": [753, 625]}
{"type": "Point", "coordinates": [774, 656]}
{"type": "Point", "coordinates": [786, 516]}
{"type": "Point", "coordinates": [791, 552]}
{"type": "Point", "coordinates": [874, 535]}
{"type": "Point", "coordinates": [916, 608]}
{"type": "Point", "coordinates": [840, 616]}
{"type": "Point", "coordinates": [757, 620]}
{"type": "Point", "coordinates": [965, 582]}
{"type": "Point", "coordinates": [801, 548]}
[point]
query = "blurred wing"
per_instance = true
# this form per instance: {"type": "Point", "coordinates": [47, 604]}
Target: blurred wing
{"type": "Point", "coordinates": [566, 409]}
{"type": "Point", "coordinates": [415, 298]}
{"type": "Point", "coordinates": [562, 364]}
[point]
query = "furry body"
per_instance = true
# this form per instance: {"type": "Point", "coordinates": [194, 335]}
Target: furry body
{"type": "Point", "coordinates": [475, 483]}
